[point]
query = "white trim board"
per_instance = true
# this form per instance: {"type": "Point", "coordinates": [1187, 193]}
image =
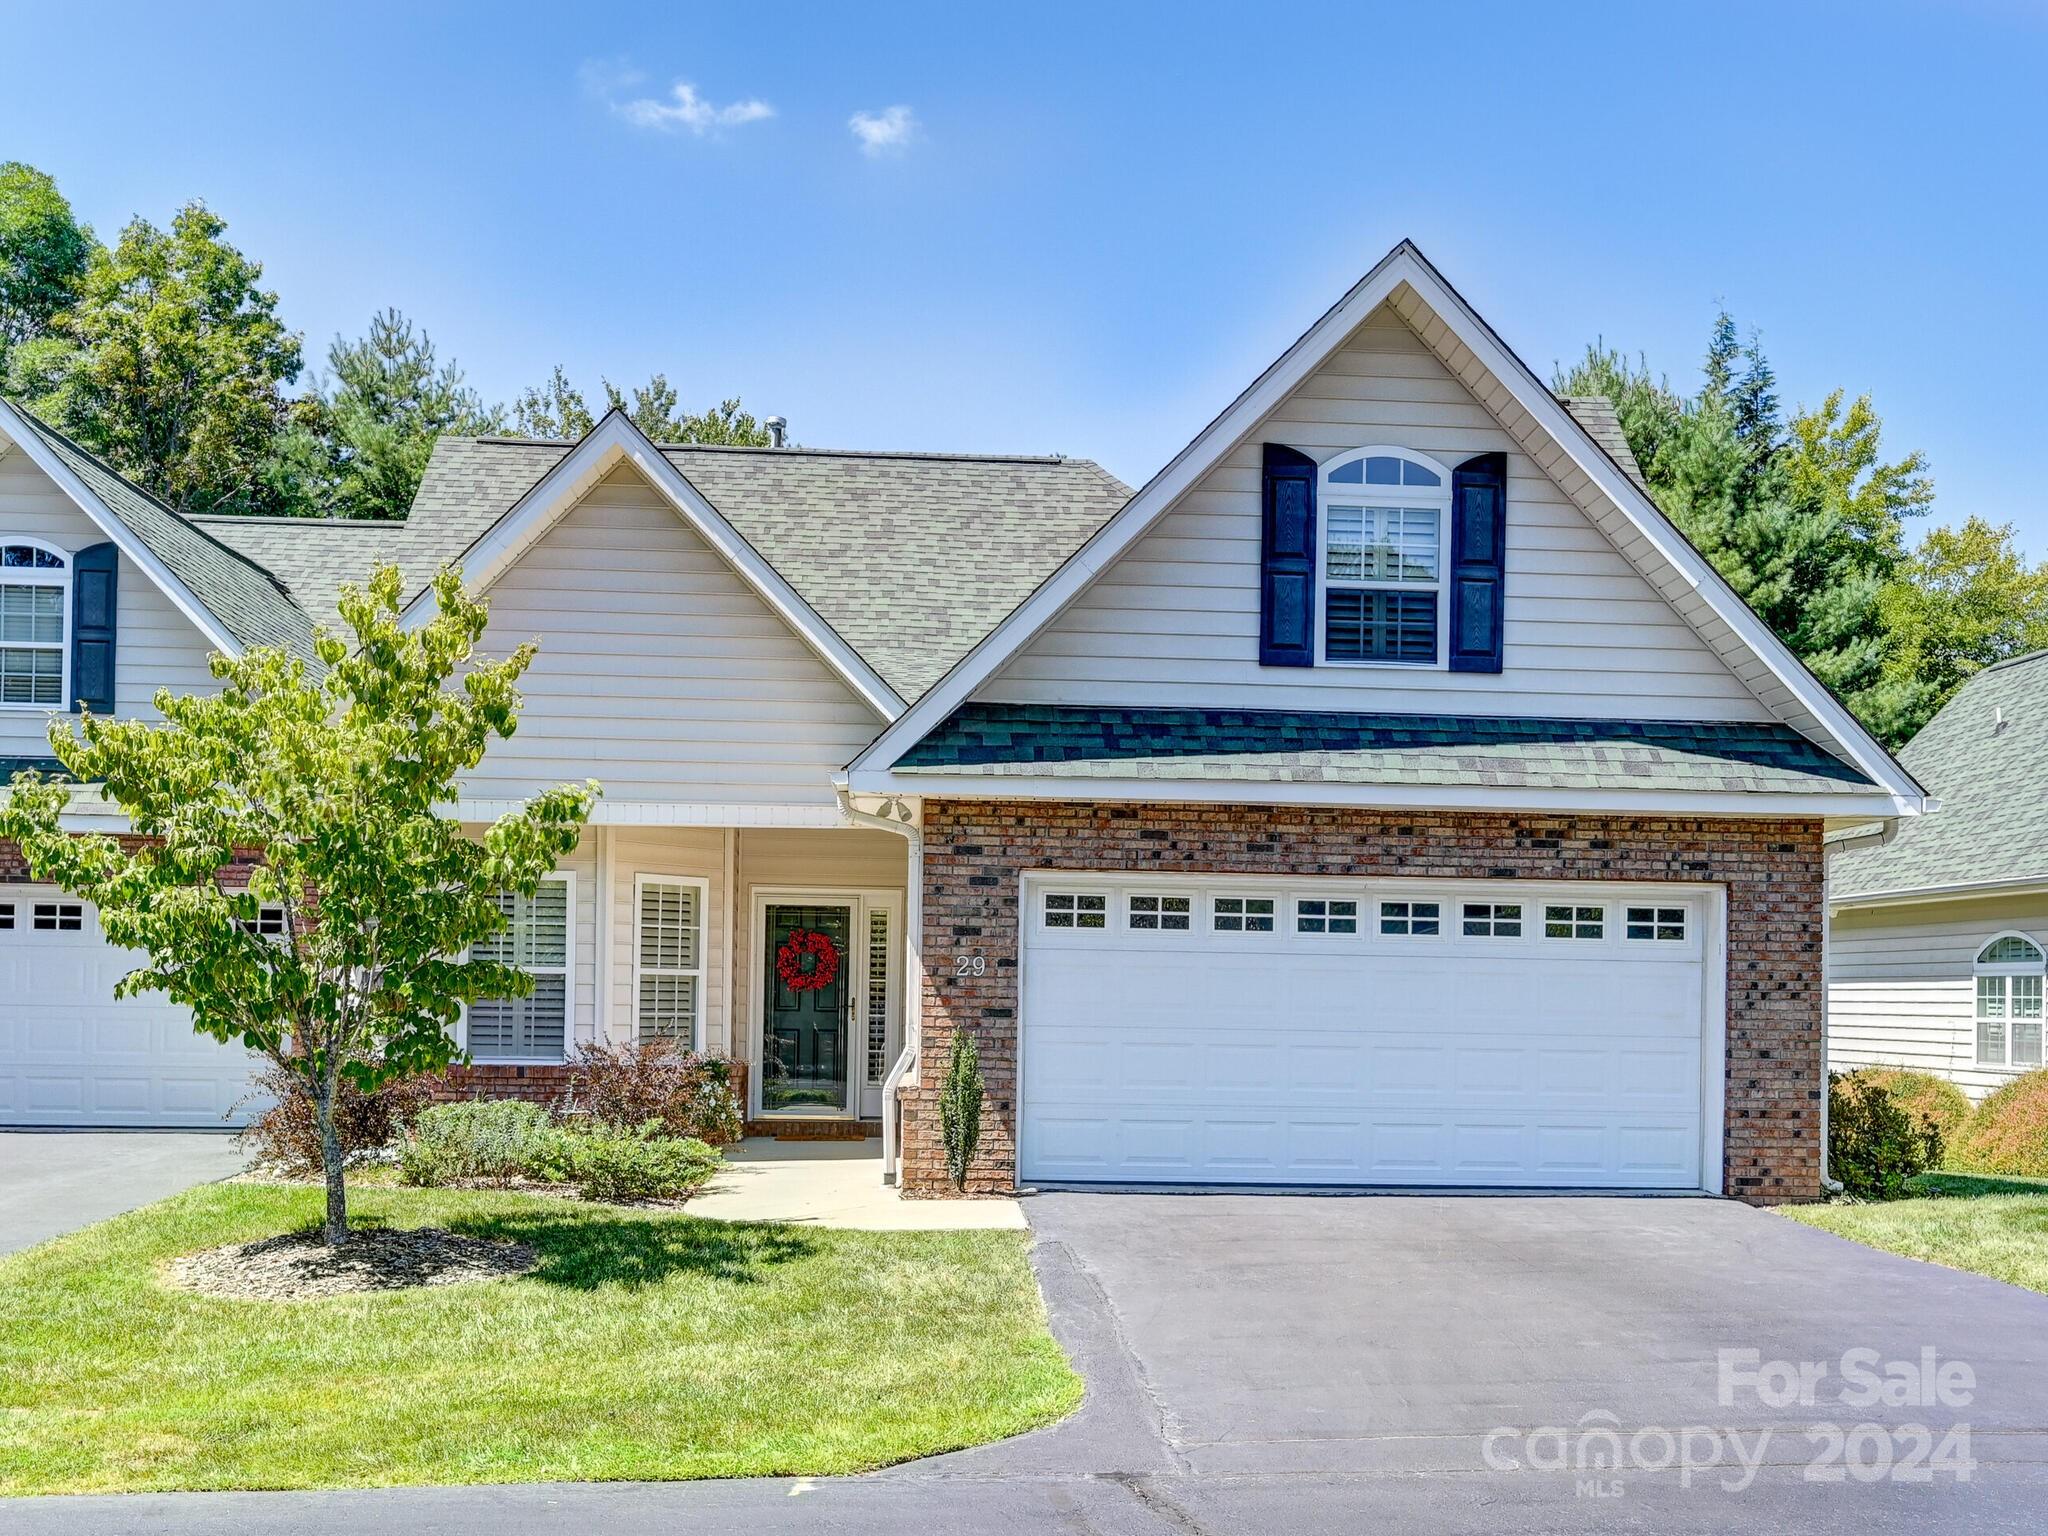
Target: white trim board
{"type": "Point", "coordinates": [1403, 267]}
{"type": "Point", "coordinates": [124, 538]}
{"type": "Point", "coordinates": [614, 441]}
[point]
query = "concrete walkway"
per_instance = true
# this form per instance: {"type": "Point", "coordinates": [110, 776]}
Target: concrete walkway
{"type": "Point", "coordinates": [53, 1182]}
{"type": "Point", "coordinates": [834, 1184]}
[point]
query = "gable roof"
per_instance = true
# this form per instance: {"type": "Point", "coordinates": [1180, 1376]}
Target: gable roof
{"type": "Point", "coordinates": [234, 602]}
{"type": "Point", "coordinates": [1588, 471]}
{"type": "Point", "coordinates": [910, 557]}
{"type": "Point", "coordinates": [1986, 757]}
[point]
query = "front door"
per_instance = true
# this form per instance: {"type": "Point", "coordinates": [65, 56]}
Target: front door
{"type": "Point", "coordinates": [808, 977]}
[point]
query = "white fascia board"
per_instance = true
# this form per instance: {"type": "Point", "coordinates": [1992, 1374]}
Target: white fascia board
{"type": "Point", "coordinates": [615, 440]}
{"type": "Point", "coordinates": [1592, 461]}
{"type": "Point", "coordinates": [1139, 513]}
{"type": "Point", "coordinates": [124, 538]}
{"type": "Point", "coordinates": [673, 813]}
{"type": "Point", "coordinates": [1404, 264]}
{"type": "Point", "coordinates": [1921, 895]}
{"type": "Point", "coordinates": [1438, 797]}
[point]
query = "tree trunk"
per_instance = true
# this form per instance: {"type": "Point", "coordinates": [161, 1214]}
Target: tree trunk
{"type": "Point", "coordinates": [335, 1233]}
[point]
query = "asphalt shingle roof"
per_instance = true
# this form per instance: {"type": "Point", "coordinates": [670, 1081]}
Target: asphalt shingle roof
{"type": "Point", "coordinates": [250, 603]}
{"type": "Point", "coordinates": [1985, 758]}
{"type": "Point", "coordinates": [1274, 746]}
{"type": "Point", "coordinates": [910, 557]}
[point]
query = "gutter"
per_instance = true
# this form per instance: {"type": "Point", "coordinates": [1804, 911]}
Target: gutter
{"type": "Point", "coordinates": [913, 993]}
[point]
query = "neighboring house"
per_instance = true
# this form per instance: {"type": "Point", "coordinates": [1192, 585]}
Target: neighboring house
{"type": "Point", "coordinates": [1940, 924]}
{"type": "Point", "coordinates": [1384, 794]}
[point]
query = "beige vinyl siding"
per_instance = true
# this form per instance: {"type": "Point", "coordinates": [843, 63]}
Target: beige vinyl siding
{"type": "Point", "coordinates": [1902, 989]}
{"type": "Point", "coordinates": [661, 673]}
{"type": "Point", "coordinates": [157, 646]}
{"type": "Point", "coordinates": [1175, 620]}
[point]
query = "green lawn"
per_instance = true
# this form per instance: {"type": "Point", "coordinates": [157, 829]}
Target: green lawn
{"type": "Point", "coordinates": [1992, 1226]}
{"type": "Point", "coordinates": [643, 1346]}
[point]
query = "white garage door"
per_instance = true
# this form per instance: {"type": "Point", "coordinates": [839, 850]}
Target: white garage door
{"type": "Point", "coordinates": [1332, 1032]}
{"type": "Point", "coordinates": [71, 1055]}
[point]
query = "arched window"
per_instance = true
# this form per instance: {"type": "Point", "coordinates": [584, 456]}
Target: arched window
{"type": "Point", "coordinates": [1381, 532]}
{"type": "Point", "coordinates": [35, 618]}
{"type": "Point", "coordinates": [2009, 971]}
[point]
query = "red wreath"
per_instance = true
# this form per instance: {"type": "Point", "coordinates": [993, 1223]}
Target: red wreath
{"type": "Point", "coordinates": [808, 961]}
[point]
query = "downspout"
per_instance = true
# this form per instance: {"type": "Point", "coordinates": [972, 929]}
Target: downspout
{"type": "Point", "coordinates": [1828, 1181]}
{"type": "Point", "coordinates": [913, 991]}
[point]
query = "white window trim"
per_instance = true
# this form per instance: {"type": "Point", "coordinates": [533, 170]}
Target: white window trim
{"type": "Point", "coordinates": [565, 877]}
{"type": "Point", "coordinates": [31, 577]}
{"type": "Point", "coordinates": [1419, 497]}
{"type": "Point", "coordinates": [1281, 914]}
{"type": "Point", "coordinates": [2005, 970]}
{"type": "Point", "coordinates": [703, 889]}
{"type": "Point", "coordinates": [1362, 911]}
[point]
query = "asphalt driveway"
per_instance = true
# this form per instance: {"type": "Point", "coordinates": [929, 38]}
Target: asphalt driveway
{"type": "Point", "coordinates": [1260, 1364]}
{"type": "Point", "coordinates": [53, 1182]}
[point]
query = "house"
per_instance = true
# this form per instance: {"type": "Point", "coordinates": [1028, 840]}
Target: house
{"type": "Point", "coordinates": [1940, 923]}
{"type": "Point", "coordinates": [1385, 793]}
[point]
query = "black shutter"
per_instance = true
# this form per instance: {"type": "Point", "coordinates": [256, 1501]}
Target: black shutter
{"type": "Point", "coordinates": [1478, 587]}
{"type": "Point", "coordinates": [1287, 560]}
{"type": "Point", "coordinates": [94, 573]}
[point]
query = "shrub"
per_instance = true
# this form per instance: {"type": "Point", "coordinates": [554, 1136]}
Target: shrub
{"type": "Point", "coordinates": [2009, 1132]}
{"type": "Point", "coordinates": [625, 1086]}
{"type": "Point", "coordinates": [1874, 1145]}
{"type": "Point", "coordinates": [960, 1108]}
{"type": "Point", "coordinates": [607, 1163]}
{"type": "Point", "coordinates": [493, 1140]}
{"type": "Point", "coordinates": [286, 1136]}
{"type": "Point", "coordinates": [1922, 1095]}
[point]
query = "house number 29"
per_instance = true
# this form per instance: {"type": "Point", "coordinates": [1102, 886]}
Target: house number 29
{"type": "Point", "coordinates": [970, 965]}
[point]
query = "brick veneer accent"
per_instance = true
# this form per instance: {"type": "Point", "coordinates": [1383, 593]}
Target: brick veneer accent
{"type": "Point", "coordinates": [974, 852]}
{"type": "Point", "coordinates": [537, 1084]}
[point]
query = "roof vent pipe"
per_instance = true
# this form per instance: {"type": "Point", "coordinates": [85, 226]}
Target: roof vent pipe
{"type": "Point", "coordinates": [1997, 718]}
{"type": "Point", "coordinates": [778, 431]}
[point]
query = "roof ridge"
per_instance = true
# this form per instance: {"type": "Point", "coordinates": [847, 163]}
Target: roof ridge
{"type": "Point", "coordinates": [501, 441]}
{"type": "Point", "coordinates": [2013, 661]}
{"type": "Point", "coordinates": [265, 520]}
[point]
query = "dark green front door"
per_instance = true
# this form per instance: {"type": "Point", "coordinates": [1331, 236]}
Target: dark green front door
{"type": "Point", "coordinates": [804, 1064]}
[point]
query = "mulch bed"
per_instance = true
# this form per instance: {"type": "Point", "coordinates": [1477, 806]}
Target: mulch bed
{"type": "Point", "coordinates": [297, 1266]}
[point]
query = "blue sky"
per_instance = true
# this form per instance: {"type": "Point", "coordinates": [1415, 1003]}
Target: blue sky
{"type": "Point", "coordinates": [1091, 225]}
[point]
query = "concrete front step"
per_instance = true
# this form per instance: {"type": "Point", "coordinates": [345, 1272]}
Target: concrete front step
{"type": "Point", "coordinates": [815, 1130]}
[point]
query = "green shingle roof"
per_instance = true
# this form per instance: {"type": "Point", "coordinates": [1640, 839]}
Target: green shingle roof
{"type": "Point", "coordinates": [1058, 741]}
{"type": "Point", "coordinates": [250, 604]}
{"type": "Point", "coordinates": [1985, 758]}
{"type": "Point", "coordinates": [910, 557]}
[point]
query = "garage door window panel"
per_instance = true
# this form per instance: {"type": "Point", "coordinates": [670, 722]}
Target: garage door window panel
{"type": "Point", "coordinates": [1243, 914]}
{"type": "Point", "coordinates": [1492, 920]}
{"type": "Point", "coordinates": [1325, 915]}
{"type": "Point", "coordinates": [1076, 910]}
{"type": "Point", "coordinates": [1657, 925]}
{"type": "Point", "coordinates": [59, 917]}
{"type": "Point", "coordinates": [1574, 922]}
{"type": "Point", "coordinates": [1411, 919]}
{"type": "Point", "coordinates": [1150, 913]}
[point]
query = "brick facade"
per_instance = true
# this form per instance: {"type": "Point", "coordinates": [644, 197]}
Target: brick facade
{"type": "Point", "coordinates": [1772, 870]}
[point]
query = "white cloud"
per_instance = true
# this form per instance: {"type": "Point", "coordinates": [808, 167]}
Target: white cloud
{"type": "Point", "coordinates": [682, 110]}
{"type": "Point", "coordinates": [886, 132]}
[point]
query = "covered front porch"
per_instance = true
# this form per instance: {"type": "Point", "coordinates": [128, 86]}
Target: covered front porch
{"type": "Point", "coordinates": [780, 947]}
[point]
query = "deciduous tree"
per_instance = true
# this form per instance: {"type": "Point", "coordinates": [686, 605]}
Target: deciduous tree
{"type": "Point", "coordinates": [336, 779]}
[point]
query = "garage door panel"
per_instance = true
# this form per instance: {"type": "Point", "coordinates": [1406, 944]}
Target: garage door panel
{"type": "Point", "coordinates": [73, 1054]}
{"type": "Point", "coordinates": [1285, 1059]}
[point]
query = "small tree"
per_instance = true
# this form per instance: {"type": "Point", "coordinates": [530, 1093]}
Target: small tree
{"type": "Point", "coordinates": [331, 785]}
{"type": "Point", "coordinates": [960, 1107]}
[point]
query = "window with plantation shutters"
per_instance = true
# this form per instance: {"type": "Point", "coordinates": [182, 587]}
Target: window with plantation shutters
{"type": "Point", "coordinates": [537, 940]}
{"type": "Point", "coordinates": [878, 995]}
{"type": "Point", "coordinates": [668, 959]}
